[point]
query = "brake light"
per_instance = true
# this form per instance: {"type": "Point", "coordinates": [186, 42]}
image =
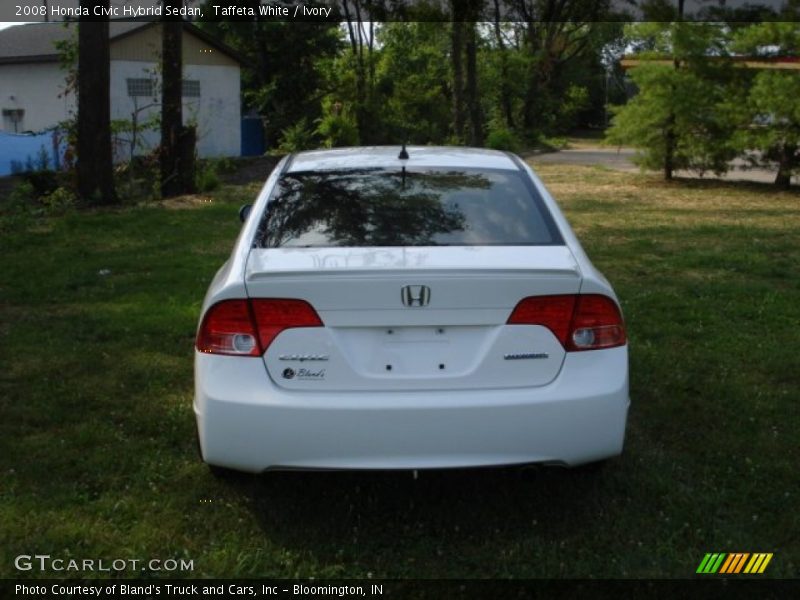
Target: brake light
{"type": "Point", "coordinates": [580, 322]}
{"type": "Point", "coordinates": [597, 323]}
{"type": "Point", "coordinates": [273, 316]}
{"type": "Point", "coordinates": [248, 327]}
{"type": "Point", "coordinates": [553, 312]}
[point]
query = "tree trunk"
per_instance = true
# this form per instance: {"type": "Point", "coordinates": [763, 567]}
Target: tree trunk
{"type": "Point", "coordinates": [456, 54]}
{"type": "Point", "coordinates": [533, 88]}
{"type": "Point", "coordinates": [505, 93]}
{"type": "Point", "coordinates": [786, 163]}
{"type": "Point", "coordinates": [473, 101]}
{"type": "Point", "coordinates": [186, 151]}
{"type": "Point", "coordinates": [670, 137]}
{"type": "Point", "coordinates": [171, 105]}
{"type": "Point", "coordinates": [783, 179]}
{"type": "Point", "coordinates": [669, 147]}
{"type": "Point", "coordinates": [95, 164]}
{"type": "Point", "coordinates": [356, 35]}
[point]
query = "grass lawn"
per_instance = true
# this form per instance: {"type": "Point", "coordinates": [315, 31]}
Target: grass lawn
{"type": "Point", "coordinates": [97, 447]}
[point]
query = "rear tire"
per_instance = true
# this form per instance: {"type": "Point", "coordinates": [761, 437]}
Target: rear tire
{"type": "Point", "coordinates": [597, 466]}
{"type": "Point", "coordinates": [222, 473]}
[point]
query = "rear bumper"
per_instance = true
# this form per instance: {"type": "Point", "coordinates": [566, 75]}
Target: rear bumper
{"type": "Point", "coordinates": [245, 422]}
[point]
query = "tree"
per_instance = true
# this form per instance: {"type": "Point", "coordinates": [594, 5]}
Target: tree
{"type": "Point", "coordinates": [361, 34]}
{"type": "Point", "coordinates": [555, 33]}
{"type": "Point", "coordinates": [421, 80]}
{"type": "Point", "coordinates": [680, 117]}
{"type": "Point", "coordinates": [770, 114]}
{"type": "Point", "coordinates": [464, 38]}
{"type": "Point", "coordinates": [472, 97]}
{"type": "Point", "coordinates": [414, 82]}
{"type": "Point", "coordinates": [95, 161]}
{"type": "Point", "coordinates": [506, 102]}
{"type": "Point", "coordinates": [457, 62]}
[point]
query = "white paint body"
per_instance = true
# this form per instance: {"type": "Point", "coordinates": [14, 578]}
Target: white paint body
{"type": "Point", "coordinates": [451, 398]}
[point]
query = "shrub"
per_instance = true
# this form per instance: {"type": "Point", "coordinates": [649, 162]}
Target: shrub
{"type": "Point", "coordinates": [43, 182]}
{"type": "Point", "coordinates": [338, 127]}
{"type": "Point", "coordinates": [501, 137]}
{"type": "Point", "coordinates": [59, 201]}
{"type": "Point", "coordinates": [18, 207]}
{"type": "Point", "coordinates": [206, 178]}
{"type": "Point", "coordinates": [297, 137]}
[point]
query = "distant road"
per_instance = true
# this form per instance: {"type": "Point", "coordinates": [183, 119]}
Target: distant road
{"type": "Point", "coordinates": [608, 157]}
{"type": "Point", "coordinates": [622, 160]}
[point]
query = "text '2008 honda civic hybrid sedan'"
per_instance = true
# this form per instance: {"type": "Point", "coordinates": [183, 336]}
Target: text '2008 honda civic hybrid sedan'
{"type": "Point", "coordinates": [393, 309]}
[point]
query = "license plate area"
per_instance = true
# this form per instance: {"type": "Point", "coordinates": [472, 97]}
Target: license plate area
{"type": "Point", "coordinates": [413, 352]}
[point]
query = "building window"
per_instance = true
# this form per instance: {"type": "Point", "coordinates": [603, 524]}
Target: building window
{"type": "Point", "coordinates": [140, 87]}
{"type": "Point", "coordinates": [12, 119]}
{"type": "Point", "coordinates": [191, 88]}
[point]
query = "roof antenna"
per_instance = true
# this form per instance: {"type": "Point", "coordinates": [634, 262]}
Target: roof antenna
{"type": "Point", "coordinates": [403, 153]}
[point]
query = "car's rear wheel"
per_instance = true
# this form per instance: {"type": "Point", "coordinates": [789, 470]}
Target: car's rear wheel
{"type": "Point", "coordinates": [222, 473]}
{"type": "Point", "coordinates": [597, 466]}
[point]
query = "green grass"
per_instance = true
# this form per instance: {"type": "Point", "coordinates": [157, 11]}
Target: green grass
{"type": "Point", "coordinates": [97, 448]}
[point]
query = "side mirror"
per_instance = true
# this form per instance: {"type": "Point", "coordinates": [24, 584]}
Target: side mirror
{"type": "Point", "coordinates": [244, 212]}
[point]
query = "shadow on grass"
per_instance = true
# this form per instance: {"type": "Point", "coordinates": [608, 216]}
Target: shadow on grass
{"type": "Point", "coordinates": [739, 185]}
{"type": "Point", "coordinates": [390, 510]}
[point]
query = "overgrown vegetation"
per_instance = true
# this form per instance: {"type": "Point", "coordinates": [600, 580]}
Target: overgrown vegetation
{"type": "Point", "coordinates": [426, 81]}
{"type": "Point", "coordinates": [97, 445]}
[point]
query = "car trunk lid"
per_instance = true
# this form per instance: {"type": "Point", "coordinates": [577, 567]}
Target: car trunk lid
{"type": "Point", "coordinates": [413, 317]}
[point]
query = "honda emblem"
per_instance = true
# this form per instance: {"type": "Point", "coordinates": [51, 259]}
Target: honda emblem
{"type": "Point", "coordinates": [416, 295]}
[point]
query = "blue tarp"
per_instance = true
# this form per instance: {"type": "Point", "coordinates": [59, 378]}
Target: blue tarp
{"type": "Point", "coordinates": [26, 150]}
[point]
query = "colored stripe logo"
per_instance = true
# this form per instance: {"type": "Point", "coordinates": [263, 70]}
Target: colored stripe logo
{"type": "Point", "coordinates": [734, 563]}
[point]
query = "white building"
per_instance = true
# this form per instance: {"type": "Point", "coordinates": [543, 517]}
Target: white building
{"type": "Point", "coordinates": [32, 84]}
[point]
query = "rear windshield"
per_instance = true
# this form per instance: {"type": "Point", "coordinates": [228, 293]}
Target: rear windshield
{"type": "Point", "coordinates": [414, 207]}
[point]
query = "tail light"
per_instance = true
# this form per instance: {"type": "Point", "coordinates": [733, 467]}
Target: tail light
{"type": "Point", "coordinates": [597, 323]}
{"type": "Point", "coordinates": [273, 316]}
{"type": "Point", "coordinates": [580, 322]}
{"type": "Point", "coordinates": [248, 327]}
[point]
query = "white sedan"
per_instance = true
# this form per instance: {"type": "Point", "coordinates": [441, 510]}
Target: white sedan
{"type": "Point", "coordinates": [388, 308]}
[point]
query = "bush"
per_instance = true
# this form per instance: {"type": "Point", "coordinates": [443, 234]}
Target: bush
{"type": "Point", "coordinates": [297, 137]}
{"type": "Point", "coordinates": [226, 164]}
{"type": "Point", "coordinates": [206, 178]}
{"type": "Point", "coordinates": [59, 201]}
{"type": "Point", "coordinates": [501, 137]}
{"type": "Point", "coordinates": [43, 182]}
{"type": "Point", "coordinates": [338, 127]}
{"type": "Point", "coordinates": [22, 197]}
{"type": "Point", "coordinates": [18, 207]}
{"type": "Point", "coordinates": [552, 142]}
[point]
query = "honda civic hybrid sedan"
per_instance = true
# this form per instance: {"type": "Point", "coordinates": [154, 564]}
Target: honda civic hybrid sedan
{"type": "Point", "coordinates": [408, 308]}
